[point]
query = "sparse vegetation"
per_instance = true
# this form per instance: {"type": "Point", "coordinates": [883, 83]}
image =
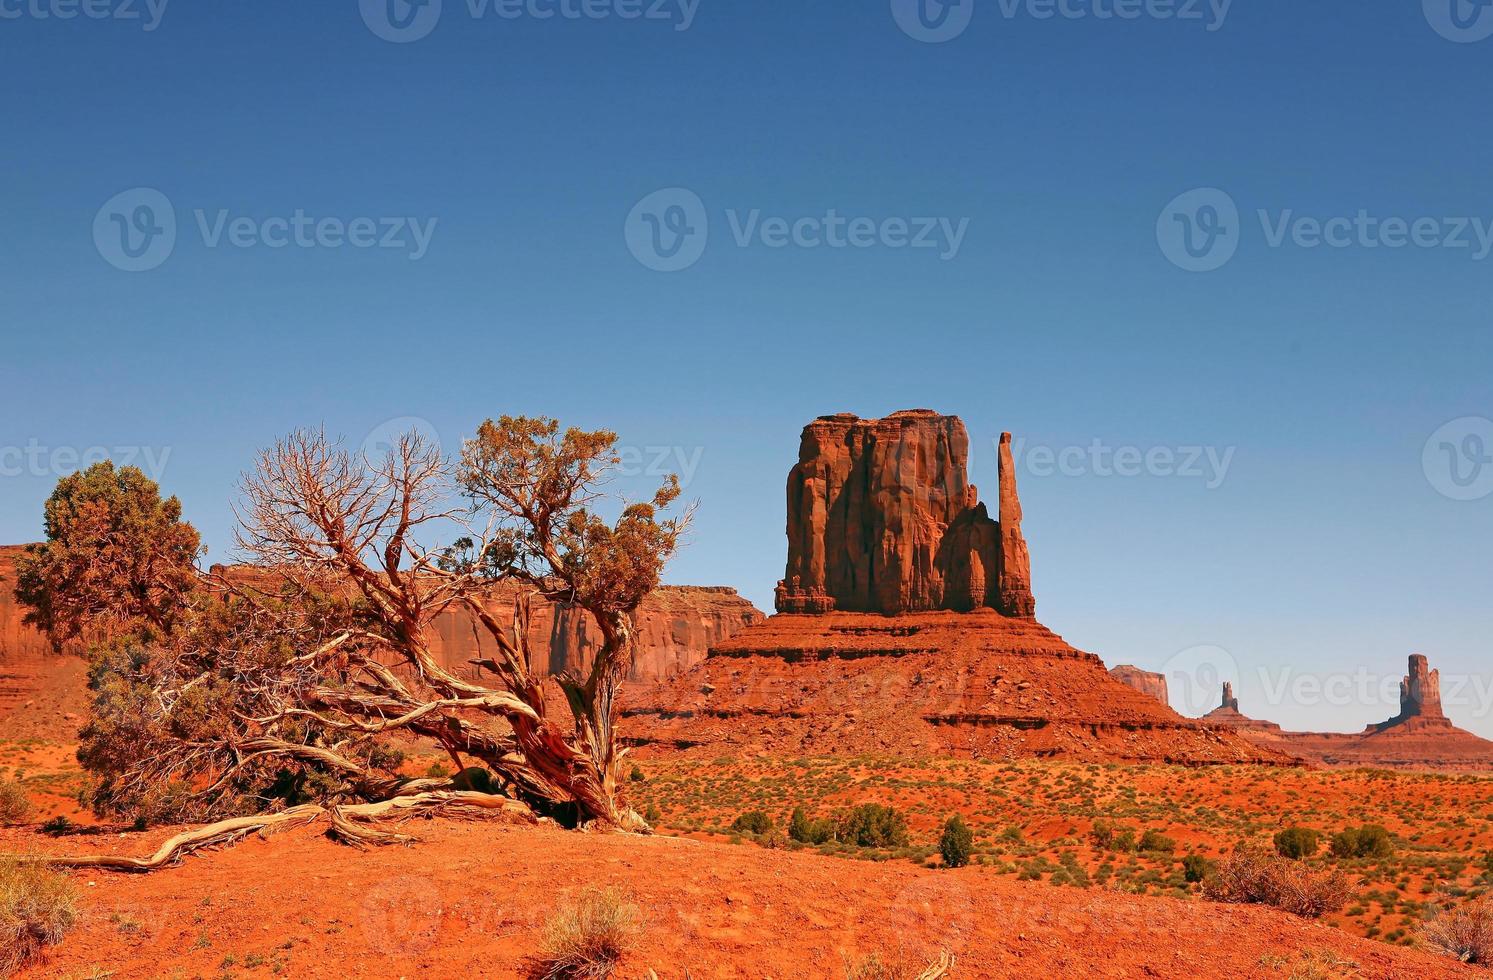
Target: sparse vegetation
{"type": "Point", "coordinates": [1465, 932]}
{"type": "Point", "coordinates": [1195, 868]}
{"type": "Point", "coordinates": [585, 939]}
{"type": "Point", "coordinates": [1254, 875]}
{"type": "Point", "coordinates": [15, 807]}
{"type": "Point", "coordinates": [874, 967]}
{"type": "Point", "coordinates": [36, 911]}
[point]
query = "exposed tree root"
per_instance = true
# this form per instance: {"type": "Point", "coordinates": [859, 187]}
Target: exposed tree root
{"type": "Point", "coordinates": [355, 824]}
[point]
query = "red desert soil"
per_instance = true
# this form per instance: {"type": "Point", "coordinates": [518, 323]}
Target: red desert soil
{"type": "Point", "coordinates": [471, 899]}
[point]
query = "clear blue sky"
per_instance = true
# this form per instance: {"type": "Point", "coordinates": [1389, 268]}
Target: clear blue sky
{"type": "Point", "coordinates": [1057, 144]}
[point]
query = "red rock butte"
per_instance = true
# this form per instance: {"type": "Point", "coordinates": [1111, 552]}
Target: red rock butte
{"type": "Point", "coordinates": [905, 626]}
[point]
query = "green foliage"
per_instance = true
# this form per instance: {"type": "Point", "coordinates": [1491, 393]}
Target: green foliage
{"type": "Point", "coordinates": [1368, 841]}
{"type": "Point", "coordinates": [1298, 843]}
{"type": "Point", "coordinates": [117, 559]}
{"type": "Point", "coordinates": [652, 814]}
{"type": "Point", "coordinates": [816, 831]}
{"type": "Point", "coordinates": [957, 842]}
{"type": "Point", "coordinates": [874, 825]}
{"type": "Point", "coordinates": [1195, 868]}
{"type": "Point", "coordinates": [1155, 842]}
{"type": "Point", "coordinates": [636, 775]}
{"type": "Point", "coordinates": [753, 822]}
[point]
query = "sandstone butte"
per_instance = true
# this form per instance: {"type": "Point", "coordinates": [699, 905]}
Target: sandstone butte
{"type": "Point", "coordinates": [676, 625]}
{"type": "Point", "coordinates": [1421, 736]}
{"type": "Point", "coordinates": [906, 625]}
{"type": "Point", "coordinates": [1144, 681]}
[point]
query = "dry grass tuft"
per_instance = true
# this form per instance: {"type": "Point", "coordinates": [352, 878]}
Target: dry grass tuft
{"type": "Point", "coordinates": [15, 807]}
{"type": "Point", "coordinates": [36, 911]}
{"type": "Point", "coordinates": [586, 939]}
{"type": "Point", "coordinates": [1465, 932]}
{"type": "Point", "coordinates": [1255, 875]}
{"type": "Point", "coordinates": [873, 967]}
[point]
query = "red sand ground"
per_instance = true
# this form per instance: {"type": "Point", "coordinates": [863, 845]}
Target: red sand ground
{"type": "Point", "coordinates": [471, 898]}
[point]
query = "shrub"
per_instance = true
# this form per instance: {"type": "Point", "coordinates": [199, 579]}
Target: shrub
{"type": "Point", "coordinates": [1369, 841]}
{"type": "Point", "coordinates": [808, 831]}
{"type": "Point", "coordinates": [586, 939]}
{"type": "Point", "coordinates": [1155, 842]}
{"type": "Point", "coordinates": [753, 822]}
{"type": "Point", "coordinates": [1297, 843]}
{"type": "Point", "coordinates": [36, 910]}
{"type": "Point", "coordinates": [873, 967]}
{"type": "Point", "coordinates": [636, 775]}
{"type": "Point", "coordinates": [1195, 868]}
{"type": "Point", "coordinates": [874, 825]}
{"type": "Point", "coordinates": [957, 842]}
{"type": "Point", "coordinates": [14, 806]}
{"type": "Point", "coordinates": [652, 815]}
{"type": "Point", "coordinates": [1255, 875]}
{"type": "Point", "coordinates": [1103, 834]}
{"type": "Point", "coordinates": [1465, 932]}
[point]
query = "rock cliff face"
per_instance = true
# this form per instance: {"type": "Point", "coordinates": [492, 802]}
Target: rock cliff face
{"type": "Point", "coordinates": [1143, 681]}
{"type": "Point", "coordinates": [882, 519]}
{"type": "Point", "coordinates": [677, 624]}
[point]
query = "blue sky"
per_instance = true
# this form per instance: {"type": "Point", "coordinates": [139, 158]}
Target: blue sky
{"type": "Point", "coordinates": [529, 152]}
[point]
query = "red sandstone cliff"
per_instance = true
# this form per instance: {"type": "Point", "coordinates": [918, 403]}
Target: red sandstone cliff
{"type": "Point", "coordinates": [1144, 681]}
{"type": "Point", "coordinates": [882, 519]}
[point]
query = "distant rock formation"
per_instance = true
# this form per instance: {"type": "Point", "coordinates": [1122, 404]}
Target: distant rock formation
{"type": "Point", "coordinates": [922, 637]}
{"type": "Point", "coordinates": [882, 519]}
{"type": "Point", "coordinates": [1144, 681]}
{"type": "Point", "coordinates": [1421, 736]}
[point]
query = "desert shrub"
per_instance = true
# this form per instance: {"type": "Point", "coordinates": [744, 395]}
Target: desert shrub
{"type": "Point", "coordinates": [636, 775]}
{"type": "Point", "coordinates": [1195, 868]}
{"type": "Point", "coordinates": [1465, 932]}
{"type": "Point", "coordinates": [1103, 834]}
{"type": "Point", "coordinates": [957, 842]}
{"type": "Point", "coordinates": [753, 822]}
{"type": "Point", "coordinates": [36, 911]}
{"type": "Point", "coordinates": [585, 939]}
{"type": "Point", "coordinates": [1369, 841]}
{"type": "Point", "coordinates": [1297, 843]}
{"type": "Point", "coordinates": [874, 967]}
{"type": "Point", "coordinates": [1155, 842]}
{"type": "Point", "coordinates": [14, 805]}
{"type": "Point", "coordinates": [874, 825]}
{"type": "Point", "coordinates": [652, 814]}
{"type": "Point", "coordinates": [1255, 875]}
{"type": "Point", "coordinates": [809, 831]}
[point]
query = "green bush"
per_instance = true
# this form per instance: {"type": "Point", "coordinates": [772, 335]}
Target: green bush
{"type": "Point", "coordinates": [753, 822]}
{"type": "Point", "coordinates": [636, 775]}
{"type": "Point", "coordinates": [652, 815]}
{"type": "Point", "coordinates": [874, 825]}
{"type": "Point", "coordinates": [957, 842]}
{"type": "Point", "coordinates": [1298, 843]}
{"type": "Point", "coordinates": [1155, 842]}
{"type": "Point", "coordinates": [1369, 841]}
{"type": "Point", "coordinates": [1195, 868]}
{"type": "Point", "coordinates": [807, 831]}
